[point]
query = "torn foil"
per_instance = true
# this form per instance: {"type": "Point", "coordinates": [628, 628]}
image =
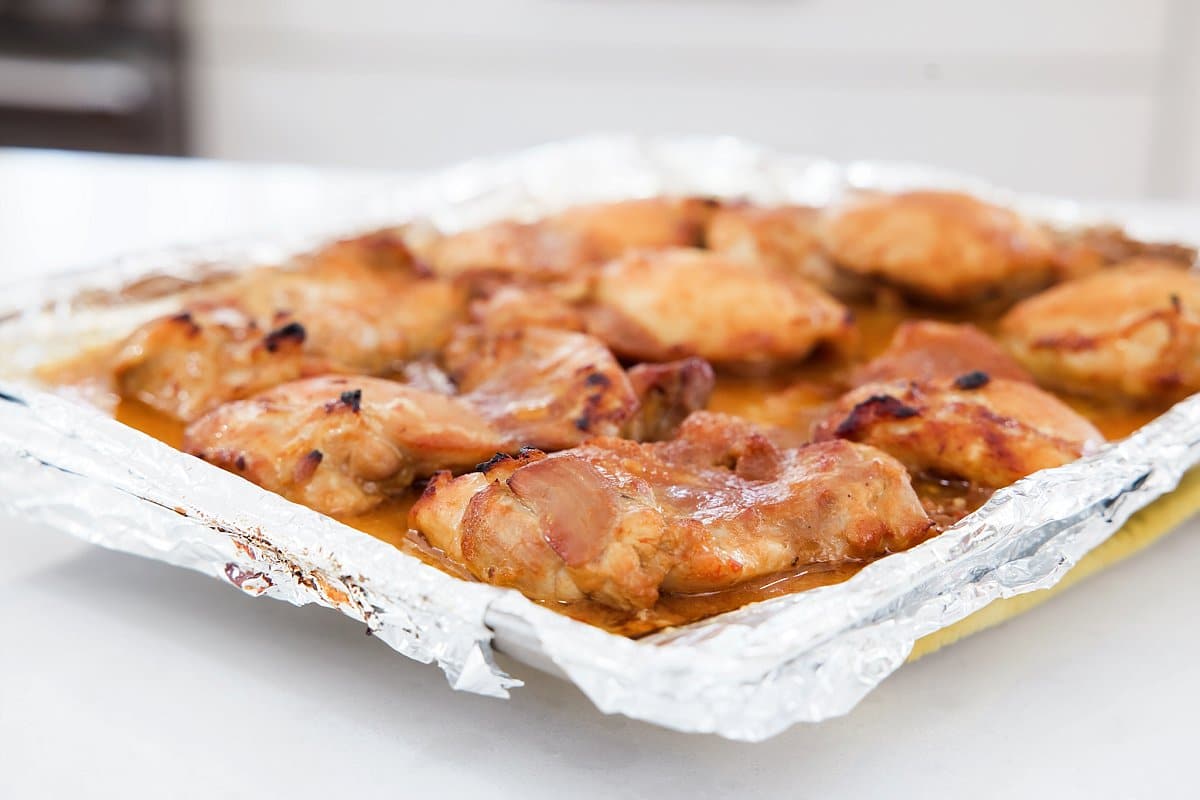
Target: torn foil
{"type": "Point", "coordinates": [747, 674]}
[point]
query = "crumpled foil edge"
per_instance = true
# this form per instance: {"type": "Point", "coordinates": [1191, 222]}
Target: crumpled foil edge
{"type": "Point", "coordinates": [72, 467]}
{"type": "Point", "coordinates": [748, 674]}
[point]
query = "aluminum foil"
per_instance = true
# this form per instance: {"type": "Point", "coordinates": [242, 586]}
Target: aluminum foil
{"type": "Point", "coordinates": [747, 674]}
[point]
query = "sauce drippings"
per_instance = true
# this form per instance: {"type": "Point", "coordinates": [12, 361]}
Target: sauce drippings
{"type": "Point", "coordinates": [680, 609]}
{"type": "Point", "coordinates": [150, 421]}
{"type": "Point", "coordinates": [789, 401]}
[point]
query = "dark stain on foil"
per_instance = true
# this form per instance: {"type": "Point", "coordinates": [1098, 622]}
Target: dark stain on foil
{"type": "Point", "coordinates": [250, 582]}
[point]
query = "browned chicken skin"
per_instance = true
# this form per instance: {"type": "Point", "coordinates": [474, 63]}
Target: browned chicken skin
{"type": "Point", "coordinates": [651, 224]}
{"type": "Point", "coordinates": [382, 250]}
{"type": "Point", "coordinates": [516, 307]}
{"type": "Point", "coordinates": [354, 307]}
{"type": "Point", "coordinates": [343, 444]}
{"type": "Point", "coordinates": [943, 247]}
{"type": "Point", "coordinates": [551, 389]}
{"type": "Point", "coordinates": [988, 431]}
{"type": "Point", "coordinates": [922, 350]}
{"type": "Point", "coordinates": [189, 363]}
{"type": "Point", "coordinates": [559, 247]}
{"type": "Point", "coordinates": [619, 522]}
{"type": "Point", "coordinates": [1130, 332]}
{"type": "Point", "coordinates": [668, 304]}
{"type": "Point", "coordinates": [780, 237]}
{"type": "Point", "coordinates": [363, 302]}
{"type": "Point", "coordinates": [532, 251]}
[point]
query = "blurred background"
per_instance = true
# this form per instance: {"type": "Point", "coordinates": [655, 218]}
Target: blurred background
{"type": "Point", "coordinates": [1091, 98]}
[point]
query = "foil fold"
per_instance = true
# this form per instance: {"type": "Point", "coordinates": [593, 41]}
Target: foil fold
{"type": "Point", "coordinates": [747, 674]}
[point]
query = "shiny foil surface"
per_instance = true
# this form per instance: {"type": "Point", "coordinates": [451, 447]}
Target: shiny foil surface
{"type": "Point", "coordinates": [747, 674]}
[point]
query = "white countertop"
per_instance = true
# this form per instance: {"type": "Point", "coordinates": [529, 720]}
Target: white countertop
{"type": "Point", "coordinates": [126, 678]}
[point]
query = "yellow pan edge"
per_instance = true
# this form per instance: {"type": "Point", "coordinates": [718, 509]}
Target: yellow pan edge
{"type": "Point", "coordinates": [1142, 530]}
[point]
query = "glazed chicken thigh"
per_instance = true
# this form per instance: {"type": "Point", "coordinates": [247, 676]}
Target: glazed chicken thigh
{"type": "Point", "coordinates": [989, 431]}
{"type": "Point", "coordinates": [620, 522]}
{"type": "Point", "coordinates": [668, 304]}
{"type": "Point", "coordinates": [187, 364]}
{"type": "Point", "coordinates": [343, 444]}
{"type": "Point", "coordinates": [942, 247]}
{"type": "Point", "coordinates": [551, 389]}
{"type": "Point", "coordinates": [1130, 332]}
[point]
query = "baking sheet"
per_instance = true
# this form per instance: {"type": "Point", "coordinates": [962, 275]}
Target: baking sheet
{"type": "Point", "coordinates": [747, 674]}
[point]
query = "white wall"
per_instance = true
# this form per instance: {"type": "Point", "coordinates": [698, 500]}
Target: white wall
{"type": "Point", "coordinates": [1096, 99]}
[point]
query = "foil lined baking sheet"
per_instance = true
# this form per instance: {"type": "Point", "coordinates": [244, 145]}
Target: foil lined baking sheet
{"type": "Point", "coordinates": [747, 674]}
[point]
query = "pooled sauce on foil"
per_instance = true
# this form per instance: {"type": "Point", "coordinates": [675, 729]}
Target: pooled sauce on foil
{"type": "Point", "coordinates": [150, 421]}
{"type": "Point", "coordinates": [789, 400]}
